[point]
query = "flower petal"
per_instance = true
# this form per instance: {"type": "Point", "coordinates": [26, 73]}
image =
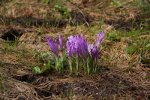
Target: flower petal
{"type": "Point", "coordinates": [100, 38]}
{"type": "Point", "coordinates": [53, 45]}
{"type": "Point", "coordinates": [77, 45]}
{"type": "Point", "coordinates": [93, 51]}
{"type": "Point", "coordinates": [61, 42]}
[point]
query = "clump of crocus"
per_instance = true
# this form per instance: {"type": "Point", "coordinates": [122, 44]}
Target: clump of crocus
{"type": "Point", "coordinates": [81, 54]}
{"type": "Point", "coordinates": [59, 56]}
{"type": "Point", "coordinates": [80, 51]}
{"type": "Point", "coordinates": [94, 54]}
{"type": "Point", "coordinates": [91, 62]}
{"type": "Point", "coordinates": [77, 50]}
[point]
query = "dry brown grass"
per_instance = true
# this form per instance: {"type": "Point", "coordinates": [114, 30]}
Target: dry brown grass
{"type": "Point", "coordinates": [121, 75]}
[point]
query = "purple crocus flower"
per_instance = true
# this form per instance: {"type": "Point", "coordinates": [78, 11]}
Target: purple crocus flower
{"type": "Point", "coordinates": [83, 46]}
{"type": "Point", "coordinates": [70, 48]}
{"type": "Point", "coordinates": [77, 45]}
{"type": "Point", "coordinates": [53, 45]}
{"type": "Point", "coordinates": [93, 51]}
{"type": "Point", "coordinates": [61, 42]}
{"type": "Point", "coordinates": [99, 38]}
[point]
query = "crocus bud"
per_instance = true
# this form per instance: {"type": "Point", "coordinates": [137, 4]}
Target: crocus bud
{"type": "Point", "coordinates": [53, 45]}
{"type": "Point", "coordinates": [93, 51]}
{"type": "Point", "coordinates": [61, 42]}
{"type": "Point", "coordinates": [99, 38]}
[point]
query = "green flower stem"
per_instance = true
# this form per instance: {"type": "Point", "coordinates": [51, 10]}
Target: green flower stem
{"type": "Point", "coordinates": [56, 64]}
{"type": "Point", "coordinates": [62, 63]}
{"type": "Point", "coordinates": [91, 65]}
{"type": "Point", "coordinates": [95, 64]}
{"type": "Point", "coordinates": [70, 66]}
{"type": "Point", "coordinates": [77, 65]}
{"type": "Point", "coordinates": [88, 67]}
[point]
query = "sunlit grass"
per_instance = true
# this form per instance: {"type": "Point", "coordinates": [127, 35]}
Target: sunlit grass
{"type": "Point", "coordinates": [139, 42]}
{"type": "Point", "coordinates": [114, 35]}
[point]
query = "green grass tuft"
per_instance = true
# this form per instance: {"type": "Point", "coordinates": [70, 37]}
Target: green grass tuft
{"type": "Point", "coordinates": [114, 36]}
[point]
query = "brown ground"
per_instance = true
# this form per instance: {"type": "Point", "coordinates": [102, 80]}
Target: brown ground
{"type": "Point", "coordinates": [20, 83]}
{"type": "Point", "coordinates": [114, 80]}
